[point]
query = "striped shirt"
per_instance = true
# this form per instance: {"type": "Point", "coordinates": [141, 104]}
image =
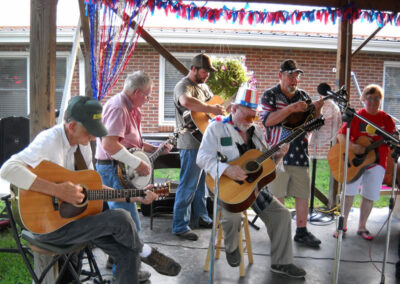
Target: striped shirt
{"type": "Point", "coordinates": [273, 100]}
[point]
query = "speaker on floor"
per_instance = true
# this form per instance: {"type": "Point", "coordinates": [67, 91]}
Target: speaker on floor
{"type": "Point", "coordinates": [14, 136]}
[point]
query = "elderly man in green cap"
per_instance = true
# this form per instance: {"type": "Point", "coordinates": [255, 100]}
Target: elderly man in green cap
{"type": "Point", "coordinates": [114, 230]}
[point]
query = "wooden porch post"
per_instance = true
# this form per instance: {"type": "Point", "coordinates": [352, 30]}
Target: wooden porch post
{"type": "Point", "coordinates": [42, 65]}
{"type": "Point", "coordinates": [85, 27]}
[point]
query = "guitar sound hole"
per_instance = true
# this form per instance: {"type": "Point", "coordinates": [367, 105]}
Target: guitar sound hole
{"type": "Point", "coordinates": [252, 166]}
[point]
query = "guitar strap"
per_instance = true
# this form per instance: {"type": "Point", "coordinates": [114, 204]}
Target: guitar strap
{"type": "Point", "coordinates": [80, 163]}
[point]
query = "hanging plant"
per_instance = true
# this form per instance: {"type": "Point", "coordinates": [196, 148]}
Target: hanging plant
{"type": "Point", "coordinates": [230, 75]}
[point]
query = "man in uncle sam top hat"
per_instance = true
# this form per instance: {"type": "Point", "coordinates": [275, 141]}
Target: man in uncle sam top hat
{"type": "Point", "coordinates": [232, 136]}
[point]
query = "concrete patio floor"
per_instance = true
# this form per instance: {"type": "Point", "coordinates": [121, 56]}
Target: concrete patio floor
{"type": "Point", "coordinates": [355, 266]}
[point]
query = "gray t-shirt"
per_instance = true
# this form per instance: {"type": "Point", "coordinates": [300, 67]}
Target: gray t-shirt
{"type": "Point", "coordinates": [198, 91]}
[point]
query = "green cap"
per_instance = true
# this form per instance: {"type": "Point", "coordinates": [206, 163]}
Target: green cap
{"type": "Point", "coordinates": [88, 112]}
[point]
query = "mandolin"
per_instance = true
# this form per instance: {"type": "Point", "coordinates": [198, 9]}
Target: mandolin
{"type": "Point", "coordinates": [296, 119]}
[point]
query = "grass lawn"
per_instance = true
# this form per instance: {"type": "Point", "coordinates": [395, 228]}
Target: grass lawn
{"type": "Point", "coordinates": [12, 267]}
{"type": "Point", "coordinates": [13, 270]}
{"type": "Point", "coordinates": [321, 182]}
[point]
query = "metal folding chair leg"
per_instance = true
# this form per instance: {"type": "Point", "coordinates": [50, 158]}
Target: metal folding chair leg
{"type": "Point", "coordinates": [57, 252]}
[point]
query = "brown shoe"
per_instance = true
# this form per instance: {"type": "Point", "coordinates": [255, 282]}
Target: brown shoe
{"type": "Point", "coordinates": [143, 275]}
{"type": "Point", "coordinates": [162, 263]}
{"type": "Point", "coordinates": [204, 224]}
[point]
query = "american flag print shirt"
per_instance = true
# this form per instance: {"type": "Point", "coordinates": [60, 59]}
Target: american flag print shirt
{"type": "Point", "coordinates": [273, 100]}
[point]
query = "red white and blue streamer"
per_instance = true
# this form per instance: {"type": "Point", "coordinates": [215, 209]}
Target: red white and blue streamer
{"type": "Point", "coordinates": [324, 15]}
{"type": "Point", "coordinates": [112, 45]}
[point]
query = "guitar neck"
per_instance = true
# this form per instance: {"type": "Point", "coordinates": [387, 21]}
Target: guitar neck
{"type": "Point", "coordinates": [374, 145]}
{"type": "Point", "coordinates": [107, 194]}
{"type": "Point", "coordinates": [276, 148]}
{"type": "Point", "coordinates": [156, 154]}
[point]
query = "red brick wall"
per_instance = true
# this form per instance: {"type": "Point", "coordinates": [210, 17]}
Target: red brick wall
{"type": "Point", "coordinates": [265, 62]}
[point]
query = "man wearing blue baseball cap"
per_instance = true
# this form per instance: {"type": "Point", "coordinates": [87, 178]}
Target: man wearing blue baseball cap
{"type": "Point", "coordinates": [113, 230]}
{"type": "Point", "coordinates": [232, 136]}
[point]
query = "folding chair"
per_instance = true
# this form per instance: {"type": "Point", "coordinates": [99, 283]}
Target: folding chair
{"type": "Point", "coordinates": [58, 252]}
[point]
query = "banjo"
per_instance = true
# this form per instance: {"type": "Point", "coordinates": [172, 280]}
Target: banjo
{"type": "Point", "coordinates": [129, 177]}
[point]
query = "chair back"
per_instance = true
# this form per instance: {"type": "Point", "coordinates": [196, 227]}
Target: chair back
{"type": "Point", "coordinates": [14, 206]}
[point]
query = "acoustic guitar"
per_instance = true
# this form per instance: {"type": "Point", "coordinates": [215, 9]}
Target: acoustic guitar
{"type": "Point", "coordinates": [41, 213]}
{"type": "Point", "coordinates": [237, 196]}
{"type": "Point", "coordinates": [357, 163]}
{"type": "Point", "coordinates": [197, 122]}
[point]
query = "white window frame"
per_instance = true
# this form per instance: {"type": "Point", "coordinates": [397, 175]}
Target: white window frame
{"type": "Point", "coordinates": [25, 54]}
{"type": "Point", "coordinates": [161, 87]}
{"type": "Point", "coordinates": [388, 64]}
{"type": "Point", "coordinates": [20, 54]}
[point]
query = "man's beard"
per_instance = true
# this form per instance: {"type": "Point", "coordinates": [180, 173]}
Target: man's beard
{"type": "Point", "coordinates": [291, 90]}
{"type": "Point", "coordinates": [199, 80]}
{"type": "Point", "coordinates": [243, 126]}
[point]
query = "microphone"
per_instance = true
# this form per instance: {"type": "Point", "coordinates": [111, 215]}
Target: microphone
{"type": "Point", "coordinates": [222, 157]}
{"type": "Point", "coordinates": [325, 90]}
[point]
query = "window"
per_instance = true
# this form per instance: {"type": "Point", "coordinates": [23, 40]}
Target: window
{"type": "Point", "coordinates": [391, 83]}
{"type": "Point", "coordinates": [169, 76]}
{"type": "Point", "coordinates": [14, 84]}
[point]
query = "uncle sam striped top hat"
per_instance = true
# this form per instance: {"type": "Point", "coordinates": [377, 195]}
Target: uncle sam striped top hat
{"type": "Point", "coordinates": [247, 97]}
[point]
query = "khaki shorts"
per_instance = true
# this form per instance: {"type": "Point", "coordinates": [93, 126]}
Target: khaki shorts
{"type": "Point", "coordinates": [293, 181]}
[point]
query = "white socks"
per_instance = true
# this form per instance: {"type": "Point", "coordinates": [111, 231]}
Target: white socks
{"type": "Point", "coordinates": [146, 251]}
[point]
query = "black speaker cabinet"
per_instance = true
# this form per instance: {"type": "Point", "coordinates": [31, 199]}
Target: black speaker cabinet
{"type": "Point", "coordinates": [14, 136]}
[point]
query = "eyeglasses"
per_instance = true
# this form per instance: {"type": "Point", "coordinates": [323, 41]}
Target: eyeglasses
{"type": "Point", "coordinates": [373, 99]}
{"type": "Point", "coordinates": [144, 94]}
{"type": "Point", "coordinates": [293, 76]}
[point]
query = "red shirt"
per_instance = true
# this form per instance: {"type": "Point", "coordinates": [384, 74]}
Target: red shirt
{"type": "Point", "coordinates": [358, 128]}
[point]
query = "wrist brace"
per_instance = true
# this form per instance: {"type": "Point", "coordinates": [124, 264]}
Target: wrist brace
{"type": "Point", "coordinates": [127, 158]}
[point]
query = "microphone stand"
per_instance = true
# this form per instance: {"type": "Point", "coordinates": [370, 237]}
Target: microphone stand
{"type": "Point", "coordinates": [348, 115]}
{"type": "Point", "coordinates": [215, 213]}
{"type": "Point", "coordinates": [395, 155]}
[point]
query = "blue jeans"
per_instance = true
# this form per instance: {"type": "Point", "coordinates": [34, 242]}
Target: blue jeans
{"type": "Point", "coordinates": [109, 177]}
{"type": "Point", "coordinates": [191, 191]}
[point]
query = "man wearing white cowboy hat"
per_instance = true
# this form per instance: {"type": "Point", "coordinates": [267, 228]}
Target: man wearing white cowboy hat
{"type": "Point", "coordinates": [232, 136]}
